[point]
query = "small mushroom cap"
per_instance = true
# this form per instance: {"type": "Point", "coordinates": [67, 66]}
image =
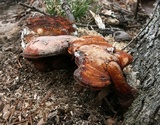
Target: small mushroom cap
{"type": "Point", "coordinates": [44, 46]}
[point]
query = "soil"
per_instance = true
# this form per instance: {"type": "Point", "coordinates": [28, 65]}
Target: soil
{"type": "Point", "coordinates": [30, 97]}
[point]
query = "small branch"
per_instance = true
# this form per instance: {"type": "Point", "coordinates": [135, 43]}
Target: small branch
{"type": "Point", "coordinates": [136, 9]}
{"type": "Point", "coordinates": [136, 37]}
{"type": "Point", "coordinates": [13, 111]}
{"type": "Point", "coordinates": [18, 60]}
{"type": "Point", "coordinates": [30, 120]}
{"type": "Point", "coordinates": [95, 26]}
{"type": "Point", "coordinates": [117, 6]}
{"type": "Point", "coordinates": [47, 96]}
{"type": "Point", "coordinates": [20, 122]}
{"type": "Point", "coordinates": [67, 10]}
{"type": "Point", "coordinates": [109, 105]}
{"type": "Point", "coordinates": [32, 8]}
{"type": "Point", "coordinates": [86, 25]}
{"type": "Point", "coordinates": [133, 26]}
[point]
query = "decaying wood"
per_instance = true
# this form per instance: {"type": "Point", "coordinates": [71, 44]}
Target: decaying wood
{"type": "Point", "coordinates": [146, 108]}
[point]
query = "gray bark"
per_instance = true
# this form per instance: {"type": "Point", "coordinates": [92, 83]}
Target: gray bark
{"type": "Point", "coordinates": [145, 110]}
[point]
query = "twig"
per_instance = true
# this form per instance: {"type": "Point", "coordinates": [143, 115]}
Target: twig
{"type": "Point", "coordinates": [30, 120]}
{"type": "Point", "coordinates": [67, 10]}
{"type": "Point", "coordinates": [95, 26]}
{"type": "Point", "coordinates": [136, 9]}
{"type": "Point", "coordinates": [109, 105]}
{"type": "Point", "coordinates": [18, 60]}
{"type": "Point", "coordinates": [47, 96]}
{"type": "Point", "coordinates": [133, 26]}
{"type": "Point", "coordinates": [115, 5]}
{"type": "Point", "coordinates": [32, 8]}
{"type": "Point", "coordinates": [104, 120]}
{"type": "Point", "coordinates": [13, 111]}
{"type": "Point", "coordinates": [136, 37]}
{"type": "Point", "coordinates": [28, 107]}
{"type": "Point", "coordinates": [86, 25]}
{"type": "Point", "coordinates": [20, 122]}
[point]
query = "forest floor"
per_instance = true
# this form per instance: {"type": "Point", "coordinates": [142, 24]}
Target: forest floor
{"type": "Point", "coordinates": [29, 97]}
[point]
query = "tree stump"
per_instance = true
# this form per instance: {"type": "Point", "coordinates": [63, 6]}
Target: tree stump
{"type": "Point", "coordinates": [145, 110]}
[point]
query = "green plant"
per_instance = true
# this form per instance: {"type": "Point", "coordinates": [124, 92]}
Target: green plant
{"type": "Point", "coordinates": [78, 7]}
{"type": "Point", "coordinates": [54, 7]}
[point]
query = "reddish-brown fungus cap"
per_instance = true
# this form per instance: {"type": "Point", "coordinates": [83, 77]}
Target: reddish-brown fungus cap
{"type": "Point", "coordinates": [124, 58]}
{"type": "Point", "coordinates": [92, 55]}
{"type": "Point", "coordinates": [92, 76]}
{"type": "Point", "coordinates": [87, 40]}
{"type": "Point", "coordinates": [50, 25]}
{"type": "Point", "coordinates": [44, 46]}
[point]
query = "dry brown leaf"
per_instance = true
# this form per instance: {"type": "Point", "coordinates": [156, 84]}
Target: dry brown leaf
{"type": "Point", "coordinates": [98, 20]}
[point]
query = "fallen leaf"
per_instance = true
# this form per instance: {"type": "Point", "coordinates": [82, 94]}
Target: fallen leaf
{"type": "Point", "coordinates": [98, 20]}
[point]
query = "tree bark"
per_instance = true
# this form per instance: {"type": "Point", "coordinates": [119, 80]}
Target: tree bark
{"type": "Point", "coordinates": [145, 110]}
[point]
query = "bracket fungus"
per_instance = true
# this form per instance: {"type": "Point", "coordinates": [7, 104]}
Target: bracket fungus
{"type": "Point", "coordinates": [99, 64]}
{"type": "Point", "coordinates": [45, 42]}
{"type": "Point", "coordinates": [50, 26]}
